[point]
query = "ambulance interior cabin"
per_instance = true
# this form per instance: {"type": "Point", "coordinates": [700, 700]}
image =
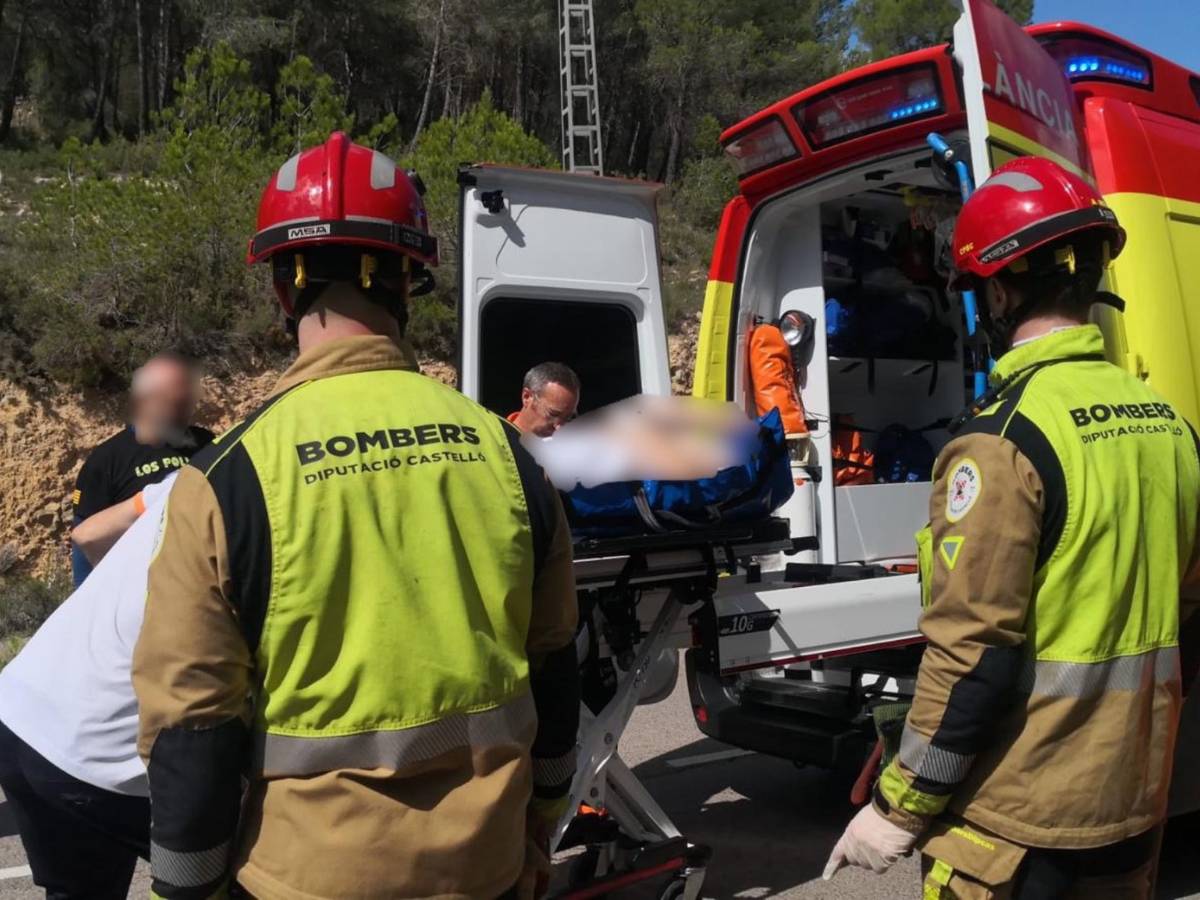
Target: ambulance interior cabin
{"type": "Point", "coordinates": [597, 340]}
{"type": "Point", "coordinates": [865, 253]}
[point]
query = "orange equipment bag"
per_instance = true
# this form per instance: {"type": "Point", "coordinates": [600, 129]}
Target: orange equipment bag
{"type": "Point", "coordinates": [852, 462]}
{"type": "Point", "coordinates": [774, 378]}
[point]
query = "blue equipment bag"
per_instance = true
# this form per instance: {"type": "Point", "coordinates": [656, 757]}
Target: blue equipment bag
{"type": "Point", "coordinates": [903, 455]}
{"type": "Point", "coordinates": [750, 490]}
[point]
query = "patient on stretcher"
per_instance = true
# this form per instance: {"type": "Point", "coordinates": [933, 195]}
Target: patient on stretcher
{"type": "Point", "coordinates": [643, 438]}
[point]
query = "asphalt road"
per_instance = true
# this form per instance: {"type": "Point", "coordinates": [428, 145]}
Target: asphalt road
{"type": "Point", "coordinates": [770, 825]}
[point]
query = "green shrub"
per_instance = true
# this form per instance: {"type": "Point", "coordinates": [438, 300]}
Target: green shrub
{"type": "Point", "coordinates": [703, 189]}
{"type": "Point", "coordinates": [10, 647]}
{"type": "Point", "coordinates": [309, 108]}
{"type": "Point", "coordinates": [686, 249]}
{"type": "Point", "coordinates": [135, 247]}
{"type": "Point", "coordinates": [117, 268]}
{"type": "Point", "coordinates": [26, 602]}
{"type": "Point", "coordinates": [481, 134]}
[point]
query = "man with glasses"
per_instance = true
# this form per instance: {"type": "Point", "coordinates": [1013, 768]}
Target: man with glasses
{"type": "Point", "coordinates": [549, 399]}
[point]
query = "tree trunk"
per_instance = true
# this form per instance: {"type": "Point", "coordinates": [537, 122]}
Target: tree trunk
{"type": "Point", "coordinates": [164, 47]}
{"type": "Point", "coordinates": [672, 153]}
{"type": "Point", "coordinates": [433, 64]}
{"type": "Point", "coordinates": [10, 89]}
{"type": "Point", "coordinates": [641, 152]}
{"type": "Point", "coordinates": [677, 119]}
{"type": "Point", "coordinates": [348, 62]}
{"type": "Point", "coordinates": [143, 81]}
{"type": "Point", "coordinates": [519, 96]}
{"type": "Point", "coordinates": [99, 127]}
{"type": "Point", "coordinates": [448, 95]}
{"type": "Point", "coordinates": [633, 145]}
{"type": "Point", "coordinates": [114, 81]}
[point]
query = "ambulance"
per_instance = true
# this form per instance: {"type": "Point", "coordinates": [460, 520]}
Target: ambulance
{"type": "Point", "coordinates": [840, 229]}
{"type": "Point", "coordinates": [800, 632]}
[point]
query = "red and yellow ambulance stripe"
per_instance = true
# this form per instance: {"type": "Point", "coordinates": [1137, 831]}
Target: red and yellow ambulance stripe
{"type": "Point", "coordinates": [711, 378]}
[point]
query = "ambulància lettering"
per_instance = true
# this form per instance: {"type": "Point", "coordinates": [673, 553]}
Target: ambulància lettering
{"type": "Point", "coordinates": [342, 445]}
{"type": "Point", "coordinates": [1022, 92]}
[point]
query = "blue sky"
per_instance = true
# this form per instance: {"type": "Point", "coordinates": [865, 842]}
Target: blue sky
{"type": "Point", "coordinates": [1170, 28]}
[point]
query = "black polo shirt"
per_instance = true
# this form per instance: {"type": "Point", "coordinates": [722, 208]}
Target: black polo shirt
{"type": "Point", "coordinates": [120, 467]}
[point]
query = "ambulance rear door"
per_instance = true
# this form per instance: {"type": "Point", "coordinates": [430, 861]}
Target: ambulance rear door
{"type": "Point", "coordinates": [563, 267]}
{"type": "Point", "coordinates": [1019, 102]}
{"type": "Point", "coordinates": [1017, 98]}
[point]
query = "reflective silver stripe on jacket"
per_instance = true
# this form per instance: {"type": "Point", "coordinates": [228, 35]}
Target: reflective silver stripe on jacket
{"type": "Point", "coordinates": [511, 723]}
{"type": "Point", "coordinates": [189, 869]}
{"type": "Point", "coordinates": [1050, 679]}
{"type": "Point", "coordinates": [932, 763]}
{"type": "Point", "coordinates": [1091, 679]}
{"type": "Point", "coordinates": [551, 771]}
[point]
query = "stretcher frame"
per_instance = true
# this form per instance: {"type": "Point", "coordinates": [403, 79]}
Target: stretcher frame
{"type": "Point", "coordinates": [643, 843]}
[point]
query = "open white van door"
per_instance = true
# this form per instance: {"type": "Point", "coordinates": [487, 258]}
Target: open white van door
{"type": "Point", "coordinates": [563, 267]}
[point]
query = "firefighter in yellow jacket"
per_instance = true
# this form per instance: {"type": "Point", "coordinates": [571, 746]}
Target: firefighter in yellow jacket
{"type": "Point", "coordinates": [362, 599]}
{"type": "Point", "coordinates": [1036, 759]}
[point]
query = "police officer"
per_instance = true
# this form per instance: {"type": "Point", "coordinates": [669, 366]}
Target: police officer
{"type": "Point", "coordinates": [158, 440]}
{"type": "Point", "coordinates": [363, 598]}
{"type": "Point", "coordinates": [1036, 758]}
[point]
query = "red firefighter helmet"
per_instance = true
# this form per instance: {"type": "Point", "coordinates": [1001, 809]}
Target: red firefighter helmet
{"type": "Point", "coordinates": [339, 195]}
{"type": "Point", "coordinates": [1025, 204]}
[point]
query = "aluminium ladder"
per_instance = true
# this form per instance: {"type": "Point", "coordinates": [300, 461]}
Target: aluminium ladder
{"type": "Point", "coordinates": [581, 148]}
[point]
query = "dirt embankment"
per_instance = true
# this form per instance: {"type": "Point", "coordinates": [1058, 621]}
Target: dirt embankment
{"type": "Point", "coordinates": [46, 432]}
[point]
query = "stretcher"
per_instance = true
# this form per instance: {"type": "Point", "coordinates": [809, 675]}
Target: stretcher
{"type": "Point", "coordinates": [637, 597]}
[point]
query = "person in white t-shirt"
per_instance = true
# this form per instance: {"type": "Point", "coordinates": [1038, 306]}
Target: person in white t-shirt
{"type": "Point", "coordinates": [69, 766]}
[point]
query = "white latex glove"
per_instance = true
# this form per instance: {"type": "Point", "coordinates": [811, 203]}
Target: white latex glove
{"type": "Point", "coordinates": [871, 842]}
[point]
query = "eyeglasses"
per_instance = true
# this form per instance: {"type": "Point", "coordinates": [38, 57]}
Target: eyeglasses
{"type": "Point", "coordinates": [553, 415]}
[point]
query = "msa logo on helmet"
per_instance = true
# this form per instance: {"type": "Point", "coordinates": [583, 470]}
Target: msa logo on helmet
{"type": "Point", "coordinates": [307, 231]}
{"type": "Point", "coordinates": [1000, 251]}
{"type": "Point", "coordinates": [966, 248]}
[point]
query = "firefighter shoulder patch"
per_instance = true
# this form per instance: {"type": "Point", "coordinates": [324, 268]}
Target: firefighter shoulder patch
{"type": "Point", "coordinates": [963, 489]}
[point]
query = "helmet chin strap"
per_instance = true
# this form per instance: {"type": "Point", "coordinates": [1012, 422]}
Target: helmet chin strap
{"type": "Point", "coordinates": [1000, 329]}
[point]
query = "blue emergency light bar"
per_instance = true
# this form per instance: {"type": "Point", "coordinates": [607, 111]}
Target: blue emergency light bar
{"type": "Point", "coordinates": [1086, 57]}
{"type": "Point", "coordinates": [869, 104]}
{"type": "Point", "coordinates": [1099, 66]}
{"type": "Point", "coordinates": [914, 109]}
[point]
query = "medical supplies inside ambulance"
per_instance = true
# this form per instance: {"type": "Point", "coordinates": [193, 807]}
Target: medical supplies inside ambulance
{"type": "Point", "coordinates": [883, 298]}
{"type": "Point", "coordinates": [853, 463]}
{"type": "Point", "coordinates": [900, 454]}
